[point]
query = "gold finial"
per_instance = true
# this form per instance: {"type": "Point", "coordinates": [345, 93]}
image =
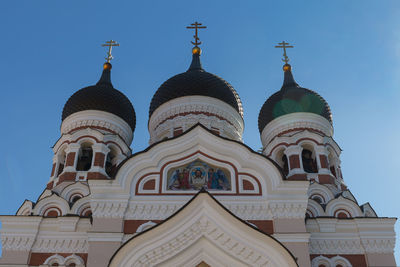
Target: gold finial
{"type": "Point", "coordinates": [284, 45]}
{"type": "Point", "coordinates": [110, 44]}
{"type": "Point", "coordinates": [196, 26]}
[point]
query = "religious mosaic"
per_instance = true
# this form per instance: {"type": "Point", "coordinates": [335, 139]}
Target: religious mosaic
{"type": "Point", "coordinates": [198, 174]}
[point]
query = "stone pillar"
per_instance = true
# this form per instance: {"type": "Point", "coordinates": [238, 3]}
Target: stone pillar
{"type": "Point", "coordinates": [72, 152]}
{"type": "Point", "coordinates": [100, 152]}
{"type": "Point", "coordinates": [321, 155]}
{"type": "Point", "coordinates": [293, 154]}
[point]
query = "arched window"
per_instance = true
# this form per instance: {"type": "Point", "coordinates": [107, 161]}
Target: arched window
{"type": "Point", "coordinates": [282, 161]}
{"type": "Point", "coordinates": [309, 163]}
{"type": "Point", "coordinates": [74, 198]}
{"type": "Point", "coordinates": [318, 199]}
{"type": "Point", "coordinates": [285, 165]}
{"type": "Point", "coordinates": [110, 164]}
{"type": "Point", "coordinates": [331, 161]}
{"type": "Point", "coordinates": [61, 162]}
{"type": "Point", "coordinates": [85, 157]}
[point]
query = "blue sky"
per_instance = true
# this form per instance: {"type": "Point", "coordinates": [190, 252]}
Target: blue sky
{"type": "Point", "coordinates": [347, 51]}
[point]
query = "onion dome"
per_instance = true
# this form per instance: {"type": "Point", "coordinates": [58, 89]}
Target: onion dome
{"type": "Point", "coordinates": [102, 96]}
{"type": "Point", "coordinates": [290, 99]}
{"type": "Point", "coordinates": [196, 81]}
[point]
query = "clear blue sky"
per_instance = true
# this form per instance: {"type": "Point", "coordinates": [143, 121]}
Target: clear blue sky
{"type": "Point", "coordinates": [347, 51]}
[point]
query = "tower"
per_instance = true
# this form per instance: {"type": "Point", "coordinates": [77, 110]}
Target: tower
{"type": "Point", "coordinates": [192, 97]}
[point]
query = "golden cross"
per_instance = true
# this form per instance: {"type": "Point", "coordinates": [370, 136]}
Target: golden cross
{"type": "Point", "coordinates": [110, 44]}
{"type": "Point", "coordinates": [284, 45]}
{"type": "Point", "coordinates": [196, 26]}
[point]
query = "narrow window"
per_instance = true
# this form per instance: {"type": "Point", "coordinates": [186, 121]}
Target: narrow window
{"type": "Point", "coordinates": [285, 165]}
{"type": "Point", "coordinates": [85, 158]}
{"type": "Point", "coordinates": [309, 164]}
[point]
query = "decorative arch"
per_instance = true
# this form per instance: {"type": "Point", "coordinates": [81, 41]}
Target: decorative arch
{"type": "Point", "coordinates": [145, 226]}
{"type": "Point", "coordinates": [321, 190]}
{"type": "Point", "coordinates": [54, 259]}
{"type": "Point", "coordinates": [51, 203]}
{"type": "Point", "coordinates": [71, 260]}
{"type": "Point", "coordinates": [338, 260]}
{"type": "Point", "coordinates": [343, 204]}
{"type": "Point", "coordinates": [78, 188]}
{"type": "Point", "coordinates": [81, 206]}
{"type": "Point", "coordinates": [203, 225]}
{"type": "Point", "coordinates": [315, 208]}
{"type": "Point", "coordinates": [26, 208]}
{"type": "Point", "coordinates": [150, 161]}
{"type": "Point", "coordinates": [330, 262]}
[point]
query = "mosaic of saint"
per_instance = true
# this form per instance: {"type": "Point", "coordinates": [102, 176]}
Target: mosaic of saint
{"type": "Point", "coordinates": [198, 174]}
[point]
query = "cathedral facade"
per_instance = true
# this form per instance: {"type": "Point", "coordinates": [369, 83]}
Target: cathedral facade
{"type": "Point", "coordinates": [197, 196]}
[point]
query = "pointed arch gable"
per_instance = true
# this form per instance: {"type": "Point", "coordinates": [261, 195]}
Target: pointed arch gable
{"type": "Point", "coordinates": [203, 222]}
{"type": "Point", "coordinates": [201, 141]}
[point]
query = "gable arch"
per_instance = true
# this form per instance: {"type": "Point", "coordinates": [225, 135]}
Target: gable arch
{"type": "Point", "coordinates": [198, 140]}
{"type": "Point", "coordinates": [319, 189]}
{"type": "Point", "coordinates": [75, 188]}
{"type": "Point", "coordinates": [51, 202]}
{"type": "Point", "coordinates": [202, 223]}
{"type": "Point", "coordinates": [315, 208]}
{"type": "Point", "coordinates": [344, 204]}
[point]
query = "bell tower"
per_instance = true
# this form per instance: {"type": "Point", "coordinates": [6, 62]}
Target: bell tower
{"type": "Point", "coordinates": [96, 131]}
{"type": "Point", "coordinates": [296, 130]}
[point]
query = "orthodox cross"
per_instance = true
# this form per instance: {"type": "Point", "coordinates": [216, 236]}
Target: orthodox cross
{"type": "Point", "coordinates": [196, 26]}
{"type": "Point", "coordinates": [284, 45]}
{"type": "Point", "coordinates": [110, 44]}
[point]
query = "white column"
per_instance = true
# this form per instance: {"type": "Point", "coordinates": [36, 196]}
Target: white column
{"type": "Point", "coordinates": [294, 150]}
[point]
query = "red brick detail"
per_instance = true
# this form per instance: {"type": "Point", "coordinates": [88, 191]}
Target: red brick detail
{"type": "Point", "coordinates": [324, 161]}
{"type": "Point", "coordinates": [50, 185]}
{"type": "Point", "coordinates": [38, 258]}
{"type": "Point", "coordinates": [247, 185]}
{"type": "Point", "coordinates": [66, 176]}
{"type": "Point", "coordinates": [325, 179]}
{"type": "Point", "coordinates": [130, 226]}
{"type": "Point", "coordinates": [358, 260]}
{"type": "Point", "coordinates": [342, 215]}
{"type": "Point", "coordinates": [298, 177]}
{"type": "Point", "coordinates": [53, 169]}
{"type": "Point", "coordinates": [70, 159]}
{"type": "Point", "coordinates": [267, 226]}
{"type": "Point", "coordinates": [52, 213]}
{"type": "Point", "coordinates": [99, 159]}
{"type": "Point", "coordinates": [96, 176]}
{"type": "Point", "coordinates": [178, 131]}
{"type": "Point", "coordinates": [150, 185]}
{"type": "Point", "coordinates": [294, 161]}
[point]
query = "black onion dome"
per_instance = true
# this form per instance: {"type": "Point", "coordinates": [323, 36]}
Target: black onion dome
{"type": "Point", "coordinates": [196, 81]}
{"type": "Point", "coordinates": [103, 97]}
{"type": "Point", "coordinates": [290, 99]}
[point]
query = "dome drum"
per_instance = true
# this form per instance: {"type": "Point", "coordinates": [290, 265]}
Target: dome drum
{"type": "Point", "coordinates": [100, 120]}
{"type": "Point", "coordinates": [295, 121]}
{"type": "Point", "coordinates": [195, 96]}
{"type": "Point", "coordinates": [182, 113]}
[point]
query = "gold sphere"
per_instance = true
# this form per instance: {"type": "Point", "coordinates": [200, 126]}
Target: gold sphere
{"type": "Point", "coordinates": [287, 67]}
{"type": "Point", "coordinates": [196, 50]}
{"type": "Point", "coordinates": [107, 66]}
